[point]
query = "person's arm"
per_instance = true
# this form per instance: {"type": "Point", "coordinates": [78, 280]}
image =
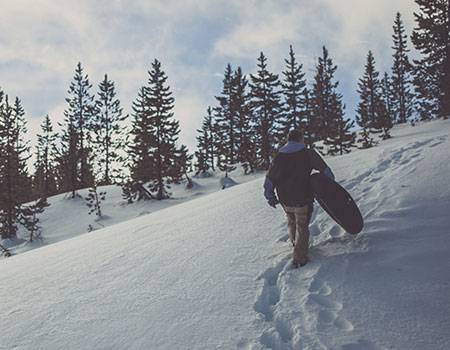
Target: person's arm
{"type": "Point", "coordinates": [319, 164]}
{"type": "Point", "coordinates": [269, 189]}
{"type": "Point", "coordinates": [269, 186]}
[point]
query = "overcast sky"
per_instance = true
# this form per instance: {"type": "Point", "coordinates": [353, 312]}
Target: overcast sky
{"type": "Point", "coordinates": [41, 42]}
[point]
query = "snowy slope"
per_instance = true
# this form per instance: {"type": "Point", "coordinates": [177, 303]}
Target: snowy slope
{"type": "Point", "coordinates": [214, 272]}
{"type": "Point", "coordinates": [66, 217]}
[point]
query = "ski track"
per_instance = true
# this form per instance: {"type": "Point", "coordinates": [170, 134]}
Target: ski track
{"type": "Point", "coordinates": [296, 308]}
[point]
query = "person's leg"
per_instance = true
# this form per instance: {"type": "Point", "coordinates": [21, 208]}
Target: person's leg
{"type": "Point", "coordinates": [302, 235]}
{"type": "Point", "coordinates": [292, 228]}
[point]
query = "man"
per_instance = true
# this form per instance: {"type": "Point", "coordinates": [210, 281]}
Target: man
{"type": "Point", "coordinates": [289, 174]}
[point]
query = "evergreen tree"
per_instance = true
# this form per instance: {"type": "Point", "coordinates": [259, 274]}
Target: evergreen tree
{"type": "Point", "coordinates": [323, 98]}
{"type": "Point", "coordinates": [164, 128]}
{"type": "Point", "coordinates": [22, 149]}
{"type": "Point", "coordinates": [108, 140]}
{"type": "Point", "coordinates": [340, 137]}
{"type": "Point", "coordinates": [15, 184]}
{"type": "Point", "coordinates": [387, 119]}
{"type": "Point", "coordinates": [402, 97]}
{"type": "Point", "coordinates": [45, 165]}
{"type": "Point", "coordinates": [205, 154]}
{"type": "Point", "coordinates": [143, 165]}
{"type": "Point", "coordinates": [201, 155]}
{"type": "Point", "coordinates": [294, 92]}
{"type": "Point", "coordinates": [68, 162]}
{"type": "Point", "coordinates": [30, 220]}
{"type": "Point", "coordinates": [94, 200]}
{"type": "Point", "coordinates": [266, 111]}
{"type": "Point", "coordinates": [308, 127]}
{"type": "Point", "coordinates": [154, 152]}
{"type": "Point", "coordinates": [226, 124]}
{"type": "Point", "coordinates": [225, 162]}
{"type": "Point", "coordinates": [241, 107]}
{"type": "Point", "coordinates": [371, 110]}
{"type": "Point", "coordinates": [76, 156]}
{"type": "Point", "coordinates": [181, 165]}
{"type": "Point", "coordinates": [431, 37]}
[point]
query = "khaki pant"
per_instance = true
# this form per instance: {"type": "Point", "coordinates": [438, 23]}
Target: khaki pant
{"type": "Point", "coordinates": [298, 224]}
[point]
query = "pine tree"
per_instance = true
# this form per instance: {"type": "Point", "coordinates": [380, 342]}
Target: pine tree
{"type": "Point", "coordinates": [431, 37]}
{"type": "Point", "coordinates": [205, 154]}
{"type": "Point", "coordinates": [30, 220]}
{"type": "Point", "coordinates": [226, 124]}
{"type": "Point", "coordinates": [387, 119]}
{"type": "Point", "coordinates": [76, 156]}
{"type": "Point", "coordinates": [22, 149]}
{"type": "Point", "coordinates": [225, 162]}
{"type": "Point", "coordinates": [109, 138]}
{"type": "Point", "coordinates": [241, 107]}
{"type": "Point", "coordinates": [94, 200]}
{"type": "Point", "coordinates": [326, 108]}
{"type": "Point", "coordinates": [143, 165]}
{"type": "Point", "coordinates": [340, 139]}
{"type": "Point", "coordinates": [45, 165]}
{"type": "Point", "coordinates": [371, 110]}
{"type": "Point", "coordinates": [165, 130]}
{"type": "Point", "coordinates": [201, 155]}
{"type": "Point", "coordinates": [308, 128]}
{"type": "Point", "coordinates": [402, 97]}
{"type": "Point", "coordinates": [266, 111]}
{"type": "Point", "coordinates": [294, 92]}
{"type": "Point", "coordinates": [68, 162]}
{"type": "Point", "coordinates": [154, 151]}
{"type": "Point", "coordinates": [15, 184]}
{"type": "Point", "coordinates": [181, 165]}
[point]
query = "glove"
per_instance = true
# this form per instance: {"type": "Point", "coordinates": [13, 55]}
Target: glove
{"type": "Point", "coordinates": [273, 202]}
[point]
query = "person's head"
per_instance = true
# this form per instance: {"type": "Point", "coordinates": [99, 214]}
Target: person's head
{"type": "Point", "coordinates": [295, 135]}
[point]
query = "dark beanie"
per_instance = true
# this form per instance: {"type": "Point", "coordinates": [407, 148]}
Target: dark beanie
{"type": "Point", "coordinates": [295, 135]}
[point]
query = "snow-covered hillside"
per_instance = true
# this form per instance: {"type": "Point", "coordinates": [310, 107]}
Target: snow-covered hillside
{"type": "Point", "coordinates": [66, 217]}
{"type": "Point", "coordinates": [214, 272]}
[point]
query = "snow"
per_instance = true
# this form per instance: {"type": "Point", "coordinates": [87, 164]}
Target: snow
{"type": "Point", "coordinates": [67, 217]}
{"type": "Point", "coordinates": [214, 272]}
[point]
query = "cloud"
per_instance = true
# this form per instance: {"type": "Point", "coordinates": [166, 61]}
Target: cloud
{"type": "Point", "coordinates": [42, 40]}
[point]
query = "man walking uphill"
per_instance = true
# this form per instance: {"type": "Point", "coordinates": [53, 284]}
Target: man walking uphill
{"type": "Point", "coordinates": [289, 175]}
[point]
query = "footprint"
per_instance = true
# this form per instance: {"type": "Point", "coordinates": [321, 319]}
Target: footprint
{"type": "Point", "coordinates": [343, 324]}
{"type": "Point", "coordinates": [270, 276]}
{"type": "Point", "coordinates": [361, 345]}
{"type": "Point", "coordinates": [270, 293]}
{"type": "Point", "coordinates": [336, 231]}
{"type": "Point", "coordinates": [243, 345]}
{"type": "Point", "coordinates": [327, 317]}
{"type": "Point", "coordinates": [319, 287]}
{"type": "Point", "coordinates": [268, 298]}
{"type": "Point", "coordinates": [269, 339]}
{"type": "Point", "coordinates": [284, 329]}
{"type": "Point", "coordinates": [307, 342]}
{"type": "Point", "coordinates": [326, 302]}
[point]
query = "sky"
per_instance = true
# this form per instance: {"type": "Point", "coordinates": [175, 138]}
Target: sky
{"type": "Point", "coordinates": [41, 42]}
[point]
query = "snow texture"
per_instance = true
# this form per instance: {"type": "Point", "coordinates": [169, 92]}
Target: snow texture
{"type": "Point", "coordinates": [215, 273]}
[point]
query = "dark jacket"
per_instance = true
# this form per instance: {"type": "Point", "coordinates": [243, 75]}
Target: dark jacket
{"type": "Point", "coordinates": [289, 174]}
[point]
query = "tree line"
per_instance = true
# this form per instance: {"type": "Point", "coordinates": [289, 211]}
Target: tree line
{"type": "Point", "coordinates": [253, 114]}
{"type": "Point", "coordinates": [100, 145]}
{"type": "Point", "coordinates": [96, 147]}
